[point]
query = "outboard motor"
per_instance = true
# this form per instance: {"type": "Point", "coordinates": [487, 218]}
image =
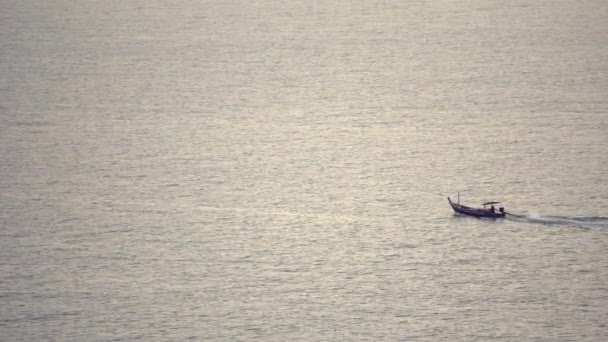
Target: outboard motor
{"type": "Point", "coordinates": [501, 209]}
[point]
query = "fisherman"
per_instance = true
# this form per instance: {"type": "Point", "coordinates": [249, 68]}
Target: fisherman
{"type": "Point", "coordinates": [492, 208]}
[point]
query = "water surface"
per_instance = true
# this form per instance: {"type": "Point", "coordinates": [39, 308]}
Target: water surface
{"type": "Point", "coordinates": [278, 170]}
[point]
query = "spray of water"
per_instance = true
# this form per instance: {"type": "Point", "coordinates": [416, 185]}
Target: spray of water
{"type": "Point", "coordinates": [580, 222]}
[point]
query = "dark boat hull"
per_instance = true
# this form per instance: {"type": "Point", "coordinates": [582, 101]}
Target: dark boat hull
{"type": "Point", "coordinates": [476, 212]}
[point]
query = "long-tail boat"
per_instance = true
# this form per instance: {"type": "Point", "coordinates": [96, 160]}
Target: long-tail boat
{"type": "Point", "coordinates": [485, 211]}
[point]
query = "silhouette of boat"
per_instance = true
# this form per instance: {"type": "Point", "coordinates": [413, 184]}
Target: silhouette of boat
{"type": "Point", "coordinates": [485, 211]}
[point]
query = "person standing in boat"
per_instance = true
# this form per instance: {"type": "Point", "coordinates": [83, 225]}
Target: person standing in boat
{"type": "Point", "coordinates": [492, 209]}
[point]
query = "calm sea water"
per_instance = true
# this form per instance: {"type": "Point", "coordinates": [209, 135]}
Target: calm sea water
{"type": "Point", "coordinates": [277, 170]}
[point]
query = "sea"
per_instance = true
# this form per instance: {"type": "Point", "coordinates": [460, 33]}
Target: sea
{"type": "Point", "coordinates": [278, 170]}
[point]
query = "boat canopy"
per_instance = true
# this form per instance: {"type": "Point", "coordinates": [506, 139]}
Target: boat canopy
{"type": "Point", "coordinates": [490, 203]}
